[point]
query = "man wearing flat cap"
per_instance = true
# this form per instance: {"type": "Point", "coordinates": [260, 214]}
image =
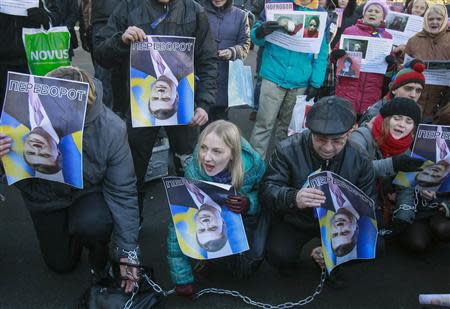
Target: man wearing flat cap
{"type": "Point", "coordinates": [284, 191]}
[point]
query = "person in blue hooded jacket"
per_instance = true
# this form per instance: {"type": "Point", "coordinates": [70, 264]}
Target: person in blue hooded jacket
{"type": "Point", "coordinates": [286, 74]}
{"type": "Point", "coordinates": [222, 156]}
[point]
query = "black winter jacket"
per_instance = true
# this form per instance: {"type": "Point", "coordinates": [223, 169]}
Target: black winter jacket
{"type": "Point", "coordinates": [185, 18]}
{"type": "Point", "coordinates": [12, 51]}
{"type": "Point", "coordinates": [288, 169]}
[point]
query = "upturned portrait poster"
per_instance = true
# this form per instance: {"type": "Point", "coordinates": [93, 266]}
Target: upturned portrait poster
{"type": "Point", "coordinates": [44, 117]}
{"type": "Point", "coordinates": [162, 81]}
{"type": "Point", "coordinates": [432, 144]}
{"type": "Point", "coordinates": [205, 228]}
{"type": "Point", "coordinates": [347, 220]}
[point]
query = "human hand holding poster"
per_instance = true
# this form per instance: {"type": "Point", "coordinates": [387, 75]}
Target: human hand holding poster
{"type": "Point", "coordinates": [347, 220]}
{"type": "Point", "coordinates": [432, 144]}
{"type": "Point", "coordinates": [302, 30]}
{"type": "Point", "coordinates": [349, 65]}
{"type": "Point", "coordinates": [205, 228]}
{"type": "Point", "coordinates": [17, 7]}
{"type": "Point", "coordinates": [403, 26]}
{"type": "Point", "coordinates": [162, 81]}
{"type": "Point", "coordinates": [44, 117]}
{"type": "Point", "coordinates": [374, 51]}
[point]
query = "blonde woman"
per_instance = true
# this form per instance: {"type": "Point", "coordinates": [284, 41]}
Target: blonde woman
{"type": "Point", "coordinates": [221, 156]}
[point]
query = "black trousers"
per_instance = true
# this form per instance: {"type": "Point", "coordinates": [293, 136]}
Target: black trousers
{"type": "Point", "coordinates": [285, 243]}
{"type": "Point", "coordinates": [63, 233]}
{"type": "Point", "coordinates": [182, 140]}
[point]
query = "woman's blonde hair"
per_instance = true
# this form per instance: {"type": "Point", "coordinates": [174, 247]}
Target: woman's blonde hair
{"type": "Point", "coordinates": [231, 136]}
{"type": "Point", "coordinates": [76, 74]}
{"type": "Point", "coordinates": [440, 10]}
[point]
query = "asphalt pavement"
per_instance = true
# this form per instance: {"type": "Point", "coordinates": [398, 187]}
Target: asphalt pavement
{"type": "Point", "coordinates": [393, 280]}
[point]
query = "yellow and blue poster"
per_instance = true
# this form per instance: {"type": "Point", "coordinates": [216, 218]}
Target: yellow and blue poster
{"type": "Point", "coordinates": [432, 144]}
{"type": "Point", "coordinates": [205, 228]}
{"type": "Point", "coordinates": [44, 117]}
{"type": "Point", "coordinates": [348, 226]}
{"type": "Point", "coordinates": [162, 81]}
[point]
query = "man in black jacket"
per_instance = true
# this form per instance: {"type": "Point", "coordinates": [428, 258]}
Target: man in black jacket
{"type": "Point", "coordinates": [131, 21]}
{"type": "Point", "coordinates": [284, 190]}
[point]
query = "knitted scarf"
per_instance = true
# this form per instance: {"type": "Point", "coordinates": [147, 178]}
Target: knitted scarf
{"type": "Point", "coordinates": [389, 146]}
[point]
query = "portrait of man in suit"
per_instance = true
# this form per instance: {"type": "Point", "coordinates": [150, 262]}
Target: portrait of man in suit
{"type": "Point", "coordinates": [168, 68]}
{"type": "Point", "coordinates": [49, 119]}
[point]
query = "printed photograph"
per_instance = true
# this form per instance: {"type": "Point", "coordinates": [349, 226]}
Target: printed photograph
{"type": "Point", "coordinates": [396, 22]}
{"type": "Point", "coordinates": [290, 23]}
{"type": "Point", "coordinates": [356, 45]}
{"type": "Point", "coordinates": [349, 65]}
{"type": "Point", "coordinates": [312, 26]}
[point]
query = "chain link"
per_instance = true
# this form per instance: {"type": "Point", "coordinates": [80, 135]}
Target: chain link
{"type": "Point", "coordinates": [156, 287]}
{"type": "Point", "coordinates": [251, 302]}
{"type": "Point", "coordinates": [129, 302]}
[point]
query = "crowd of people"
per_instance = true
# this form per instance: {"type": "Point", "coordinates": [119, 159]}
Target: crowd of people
{"type": "Point", "coordinates": [360, 128]}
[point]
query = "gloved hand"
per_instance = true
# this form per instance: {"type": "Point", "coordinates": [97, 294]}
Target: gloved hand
{"type": "Point", "coordinates": [391, 60]}
{"type": "Point", "coordinates": [237, 203]}
{"type": "Point", "coordinates": [38, 16]}
{"type": "Point", "coordinates": [185, 290]}
{"type": "Point", "coordinates": [336, 54]}
{"type": "Point", "coordinates": [404, 163]}
{"type": "Point", "coordinates": [312, 93]}
{"type": "Point", "coordinates": [267, 28]}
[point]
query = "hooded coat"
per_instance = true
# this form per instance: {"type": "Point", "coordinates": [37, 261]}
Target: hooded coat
{"type": "Point", "coordinates": [364, 91]}
{"type": "Point", "coordinates": [230, 28]}
{"type": "Point", "coordinates": [254, 168]}
{"type": "Point", "coordinates": [107, 168]}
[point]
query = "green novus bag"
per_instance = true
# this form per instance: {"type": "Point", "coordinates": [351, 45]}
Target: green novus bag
{"type": "Point", "coordinates": [46, 49]}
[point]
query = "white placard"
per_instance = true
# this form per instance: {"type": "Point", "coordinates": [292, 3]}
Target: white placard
{"type": "Point", "coordinates": [17, 7]}
{"type": "Point", "coordinates": [403, 26]}
{"type": "Point", "coordinates": [434, 76]}
{"type": "Point", "coordinates": [297, 34]}
{"type": "Point", "coordinates": [374, 51]}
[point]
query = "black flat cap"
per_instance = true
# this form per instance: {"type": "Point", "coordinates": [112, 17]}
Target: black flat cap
{"type": "Point", "coordinates": [331, 116]}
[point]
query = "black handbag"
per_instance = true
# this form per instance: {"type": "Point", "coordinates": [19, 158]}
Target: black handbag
{"type": "Point", "coordinates": [107, 294]}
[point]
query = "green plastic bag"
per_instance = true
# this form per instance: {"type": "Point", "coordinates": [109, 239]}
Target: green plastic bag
{"type": "Point", "coordinates": [46, 49]}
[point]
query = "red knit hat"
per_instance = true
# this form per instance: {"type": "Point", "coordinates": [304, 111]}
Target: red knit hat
{"type": "Point", "coordinates": [411, 73]}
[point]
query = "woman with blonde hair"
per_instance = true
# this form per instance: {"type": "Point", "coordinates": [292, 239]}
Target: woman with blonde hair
{"type": "Point", "coordinates": [222, 156]}
{"type": "Point", "coordinates": [432, 43]}
{"type": "Point", "coordinates": [101, 215]}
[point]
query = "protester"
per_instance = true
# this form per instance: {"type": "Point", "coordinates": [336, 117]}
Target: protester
{"type": "Point", "coordinates": [282, 82]}
{"type": "Point", "coordinates": [407, 83]}
{"type": "Point", "coordinates": [323, 146]}
{"type": "Point", "coordinates": [417, 7]}
{"type": "Point", "coordinates": [222, 156]}
{"type": "Point", "coordinates": [161, 17]}
{"type": "Point", "coordinates": [367, 89]}
{"type": "Point", "coordinates": [432, 43]}
{"type": "Point", "coordinates": [12, 51]}
{"type": "Point", "coordinates": [230, 28]}
{"type": "Point", "coordinates": [66, 220]}
{"type": "Point", "coordinates": [67, 14]}
{"type": "Point", "coordinates": [387, 139]}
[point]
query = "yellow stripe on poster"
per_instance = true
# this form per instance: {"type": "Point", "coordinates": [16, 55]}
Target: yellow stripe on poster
{"type": "Point", "coordinates": [139, 110]}
{"type": "Point", "coordinates": [13, 168]}
{"type": "Point", "coordinates": [188, 245]}
{"type": "Point", "coordinates": [191, 79]}
{"type": "Point", "coordinates": [77, 138]}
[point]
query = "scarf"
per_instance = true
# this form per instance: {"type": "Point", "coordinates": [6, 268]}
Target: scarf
{"type": "Point", "coordinates": [389, 146]}
{"type": "Point", "coordinates": [222, 177]}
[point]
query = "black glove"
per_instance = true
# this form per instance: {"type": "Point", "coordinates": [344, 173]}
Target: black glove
{"type": "Point", "coordinates": [86, 39]}
{"type": "Point", "coordinates": [312, 93]}
{"type": "Point", "coordinates": [267, 28]}
{"type": "Point", "coordinates": [38, 16]}
{"type": "Point", "coordinates": [336, 54]}
{"type": "Point", "coordinates": [404, 163]}
{"type": "Point", "coordinates": [391, 60]}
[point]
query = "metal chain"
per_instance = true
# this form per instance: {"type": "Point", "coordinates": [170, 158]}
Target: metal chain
{"type": "Point", "coordinates": [156, 287]}
{"type": "Point", "coordinates": [129, 302]}
{"type": "Point", "coordinates": [251, 302]}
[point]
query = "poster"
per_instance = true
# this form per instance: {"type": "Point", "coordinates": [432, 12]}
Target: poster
{"type": "Point", "coordinates": [373, 50]}
{"type": "Point", "coordinates": [403, 26]}
{"type": "Point", "coordinates": [349, 65]}
{"type": "Point", "coordinates": [205, 228]}
{"type": "Point", "coordinates": [437, 72]}
{"type": "Point", "coordinates": [17, 7]}
{"type": "Point", "coordinates": [45, 118]}
{"type": "Point", "coordinates": [240, 84]}
{"type": "Point", "coordinates": [348, 225]}
{"type": "Point", "coordinates": [432, 144]}
{"type": "Point", "coordinates": [300, 31]}
{"type": "Point", "coordinates": [162, 81]}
